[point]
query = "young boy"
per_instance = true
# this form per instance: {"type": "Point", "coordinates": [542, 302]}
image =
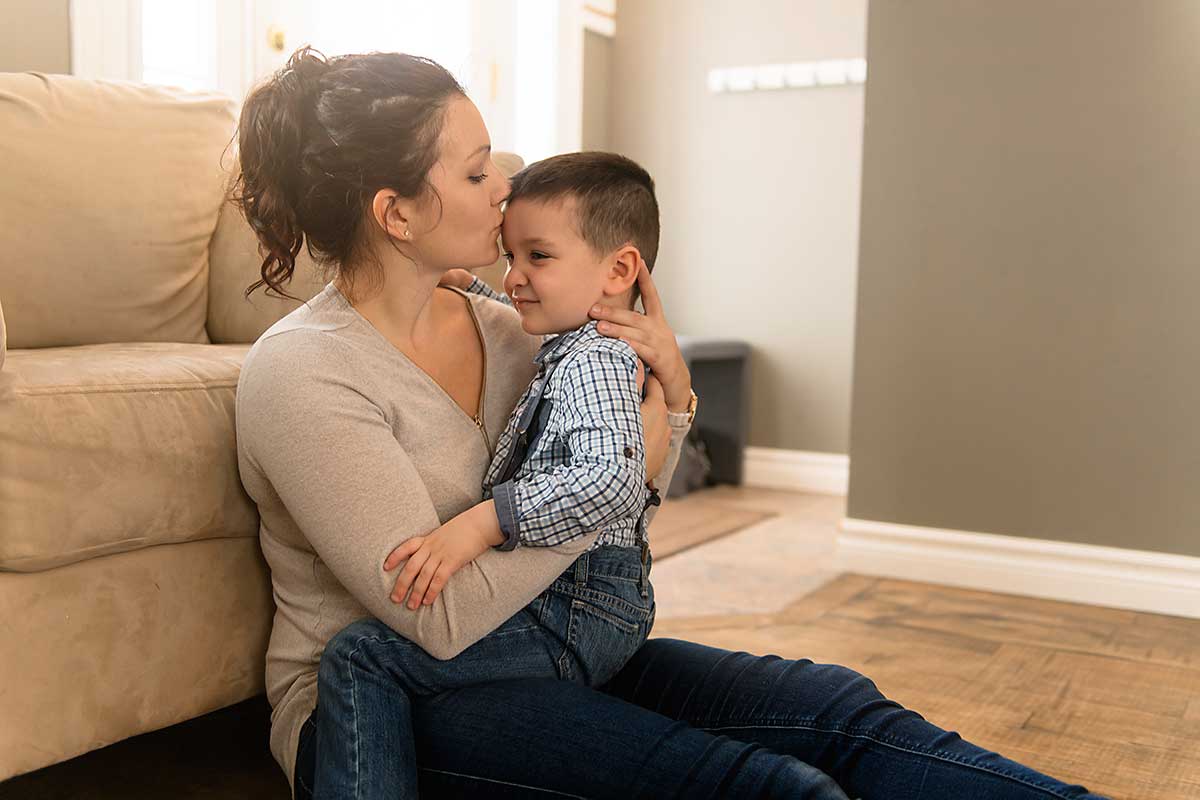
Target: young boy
{"type": "Point", "coordinates": [571, 460]}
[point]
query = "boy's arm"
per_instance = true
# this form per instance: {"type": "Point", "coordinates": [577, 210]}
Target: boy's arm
{"type": "Point", "coordinates": [605, 478]}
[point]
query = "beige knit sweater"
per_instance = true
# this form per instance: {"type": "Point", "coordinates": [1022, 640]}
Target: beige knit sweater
{"type": "Point", "coordinates": [349, 448]}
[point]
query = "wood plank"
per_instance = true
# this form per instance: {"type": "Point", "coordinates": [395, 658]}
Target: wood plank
{"type": "Point", "coordinates": [1103, 697]}
{"type": "Point", "coordinates": [681, 526]}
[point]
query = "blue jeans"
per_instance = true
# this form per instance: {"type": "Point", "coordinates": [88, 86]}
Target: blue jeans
{"type": "Point", "coordinates": [679, 720]}
{"type": "Point", "coordinates": [583, 628]}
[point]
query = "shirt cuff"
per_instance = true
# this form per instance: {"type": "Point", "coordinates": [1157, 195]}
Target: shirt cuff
{"type": "Point", "coordinates": [504, 497]}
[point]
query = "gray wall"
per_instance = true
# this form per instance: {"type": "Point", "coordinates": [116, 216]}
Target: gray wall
{"type": "Point", "coordinates": [35, 35]}
{"type": "Point", "coordinates": [1027, 350]}
{"type": "Point", "coordinates": [759, 193]}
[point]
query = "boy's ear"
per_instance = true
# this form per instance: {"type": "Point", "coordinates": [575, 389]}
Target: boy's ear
{"type": "Point", "coordinates": [622, 271]}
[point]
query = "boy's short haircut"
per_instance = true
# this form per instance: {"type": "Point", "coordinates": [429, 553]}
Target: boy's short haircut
{"type": "Point", "coordinates": [614, 199]}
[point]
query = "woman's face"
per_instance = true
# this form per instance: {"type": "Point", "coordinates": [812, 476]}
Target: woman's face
{"type": "Point", "coordinates": [461, 231]}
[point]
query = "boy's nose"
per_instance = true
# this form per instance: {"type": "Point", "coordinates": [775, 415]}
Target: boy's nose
{"type": "Point", "coordinates": [512, 279]}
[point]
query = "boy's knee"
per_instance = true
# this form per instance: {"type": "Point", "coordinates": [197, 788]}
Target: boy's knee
{"type": "Point", "coordinates": [345, 642]}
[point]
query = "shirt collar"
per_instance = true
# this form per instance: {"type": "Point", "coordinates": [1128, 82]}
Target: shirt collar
{"type": "Point", "coordinates": [558, 345]}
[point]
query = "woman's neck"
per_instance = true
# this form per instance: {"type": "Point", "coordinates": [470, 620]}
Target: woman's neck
{"type": "Point", "coordinates": [400, 305]}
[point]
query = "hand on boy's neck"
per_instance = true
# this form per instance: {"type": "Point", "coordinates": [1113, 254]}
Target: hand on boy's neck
{"type": "Point", "coordinates": [623, 269]}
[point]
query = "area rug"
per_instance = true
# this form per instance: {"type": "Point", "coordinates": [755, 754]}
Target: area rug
{"type": "Point", "coordinates": [680, 526]}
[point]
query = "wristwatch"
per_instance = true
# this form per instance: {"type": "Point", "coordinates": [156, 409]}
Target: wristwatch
{"type": "Point", "coordinates": [680, 418]}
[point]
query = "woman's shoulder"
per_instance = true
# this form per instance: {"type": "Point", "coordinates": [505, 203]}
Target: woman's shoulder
{"type": "Point", "coordinates": [308, 343]}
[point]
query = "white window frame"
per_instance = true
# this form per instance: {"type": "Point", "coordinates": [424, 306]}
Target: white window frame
{"type": "Point", "coordinates": [527, 83]}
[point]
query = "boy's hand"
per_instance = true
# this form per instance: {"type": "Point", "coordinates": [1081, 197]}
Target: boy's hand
{"type": "Point", "coordinates": [433, 558]}
{"type": "Point", "coordinates": [458, 278]}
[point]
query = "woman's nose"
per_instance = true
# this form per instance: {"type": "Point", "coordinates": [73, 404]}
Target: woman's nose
{"type": "Point", "coordinates": [502, 189]}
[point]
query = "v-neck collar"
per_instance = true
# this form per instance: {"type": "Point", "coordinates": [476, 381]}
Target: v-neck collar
{"type": "Point", "coordinates": [478, 418]}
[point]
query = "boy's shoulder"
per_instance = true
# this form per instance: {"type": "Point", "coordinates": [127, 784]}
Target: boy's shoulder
{"type": "Point", "coordinates": [594, 360]}
{"type": "Point", "coordinates": [588, 345]}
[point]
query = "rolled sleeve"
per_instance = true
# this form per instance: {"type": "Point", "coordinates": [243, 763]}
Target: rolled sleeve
{"type": "Point", "coordinates": [505, 499]}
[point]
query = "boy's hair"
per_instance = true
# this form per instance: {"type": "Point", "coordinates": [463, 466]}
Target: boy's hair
{"type": "Point", "coordinates": [614, 199]}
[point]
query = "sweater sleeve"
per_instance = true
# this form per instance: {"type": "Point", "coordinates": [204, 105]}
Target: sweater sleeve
{"type": "Point", "coordinates": [330, 455]}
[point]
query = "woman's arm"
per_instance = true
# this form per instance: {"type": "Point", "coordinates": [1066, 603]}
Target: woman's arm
{"type": "Point", "coordinates": [332, 459]}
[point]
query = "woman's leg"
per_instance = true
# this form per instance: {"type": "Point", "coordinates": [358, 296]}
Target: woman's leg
{"type": "Point", "coordinates": [554, 739]}
{"type": "Point", "coordinates": [374, 699]}
{"type": "Point", "coordinates": [828, 716]}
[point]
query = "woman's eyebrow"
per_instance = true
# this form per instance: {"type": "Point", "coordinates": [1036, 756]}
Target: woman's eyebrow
{"type": "Point", "coordinates": [487, 148]}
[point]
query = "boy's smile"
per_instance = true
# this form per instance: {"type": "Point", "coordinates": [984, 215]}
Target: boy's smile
{"type": "Point", "coordinates": [554, 277]}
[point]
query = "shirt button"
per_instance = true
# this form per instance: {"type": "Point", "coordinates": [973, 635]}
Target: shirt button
{"type": "Point", "coordinates": [629, 452]}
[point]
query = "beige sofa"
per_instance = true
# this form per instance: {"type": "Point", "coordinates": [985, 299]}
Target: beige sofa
{"type": "Point", "coordinates": [132, 591]}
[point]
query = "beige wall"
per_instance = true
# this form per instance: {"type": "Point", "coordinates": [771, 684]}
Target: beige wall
{"type": "Point", "coordinates": [759, 193]}
{"type": "Point", "coordinates": [34, 35]}
{"type": "Point", "coordinates": [597, 91]}
{"type": "Point", "coordinates": [1027, 348]}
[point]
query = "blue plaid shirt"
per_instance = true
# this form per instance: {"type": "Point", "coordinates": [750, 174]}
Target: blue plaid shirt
{"type": "Point", "coordinates": [584, 457]}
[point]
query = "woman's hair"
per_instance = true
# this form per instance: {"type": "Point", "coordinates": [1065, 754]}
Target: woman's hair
{"type": "Point", "coordinates": [319, 138]}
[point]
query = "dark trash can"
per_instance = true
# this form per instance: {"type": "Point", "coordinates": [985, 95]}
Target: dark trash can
{"type": "Point", "coordinates": [716, 445]}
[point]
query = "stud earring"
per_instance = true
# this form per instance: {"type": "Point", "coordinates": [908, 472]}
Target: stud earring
{"type": "Point", "coordinates": [407, 233]}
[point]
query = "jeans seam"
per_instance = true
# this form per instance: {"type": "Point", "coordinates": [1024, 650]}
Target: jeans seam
{"type": "Point", "coordinates": [907, 746]}
{"type": "Point", "coordinates": [503, 783]}
{"type": "Point", "coordinates": [600, 598]}
{"type": "Point", "coordinates": [623, 625]}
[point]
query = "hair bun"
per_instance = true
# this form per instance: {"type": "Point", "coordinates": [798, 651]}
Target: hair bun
{"type": "Point", "coordinates": [303, 69]}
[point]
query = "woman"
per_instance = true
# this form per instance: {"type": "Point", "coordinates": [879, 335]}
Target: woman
{"type": "Point", "coordinates": [369, 414]}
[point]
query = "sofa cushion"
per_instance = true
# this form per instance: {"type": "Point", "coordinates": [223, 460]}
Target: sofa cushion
{"type": "Point", "coordinates": [115, 447]}
{"type": "Point", "coordinates": [234, 264]}
{"type": "Point", "coordinates": [111, 193]}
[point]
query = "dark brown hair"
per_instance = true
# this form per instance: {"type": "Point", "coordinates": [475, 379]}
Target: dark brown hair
{"type": "Point", "coordinates": [614, 199]}
{"type": "Point", "coordinates": [319, 138]}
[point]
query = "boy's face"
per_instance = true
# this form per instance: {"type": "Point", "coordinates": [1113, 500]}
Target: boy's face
{"type": "Point", "coordinates": [554, 277]}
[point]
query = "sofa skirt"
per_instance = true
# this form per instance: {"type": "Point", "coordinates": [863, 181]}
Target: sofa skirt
{"type": "Point", "coordinates": [111, 647]}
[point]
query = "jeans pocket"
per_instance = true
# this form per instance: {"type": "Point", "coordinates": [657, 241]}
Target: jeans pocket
{"type": "Point", "coordinates": [607, 628]}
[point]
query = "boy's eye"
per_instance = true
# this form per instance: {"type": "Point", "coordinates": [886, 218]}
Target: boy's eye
{"type": "Point", "coordinates": [535, 255]}
{"type": "Point", "coordinates": [508, 256]}
{"type": "Point", "coordinates": [480, 178]}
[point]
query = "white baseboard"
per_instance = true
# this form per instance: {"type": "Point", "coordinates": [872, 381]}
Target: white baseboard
{"type": "Point", "coordinates": [797, 470]}
{"type": "Point", "coordinates": [1162, 583]}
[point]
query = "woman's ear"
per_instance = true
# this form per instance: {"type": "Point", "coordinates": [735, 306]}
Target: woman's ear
{"type": "Point", "coordinates": [622, 271]}
{"type": "Point", "coordinates": [393, 214]}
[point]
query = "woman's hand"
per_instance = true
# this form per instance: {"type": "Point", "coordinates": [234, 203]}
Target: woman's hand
{"type": "Point", "coordinates": [655, 428]}
{"type": "Point", "coordinates": [433, 558]}
{"type": "Point", "coordinates": [458, 278]}
{"type": "Point", "coordinates": [652, 339]}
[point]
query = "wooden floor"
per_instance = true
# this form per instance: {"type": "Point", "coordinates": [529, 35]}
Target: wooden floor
{"type": "Point", "coordinates": [1103, 697]}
